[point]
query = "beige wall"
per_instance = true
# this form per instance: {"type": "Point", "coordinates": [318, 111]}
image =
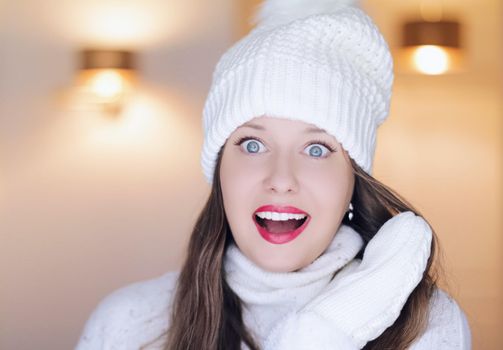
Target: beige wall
{"type": "Point", "coordinates": [87, 203]}
{"type": "Point", "coordinates": [87, 206]}
{"type": "Point", "coordinates": [449, 162]}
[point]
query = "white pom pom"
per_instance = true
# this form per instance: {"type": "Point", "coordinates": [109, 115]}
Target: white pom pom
{"type": "Point", "coordinates": [277, 12]}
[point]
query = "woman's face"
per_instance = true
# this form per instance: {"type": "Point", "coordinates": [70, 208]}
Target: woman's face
{"type": "Point", "coordinates": [274, 165]}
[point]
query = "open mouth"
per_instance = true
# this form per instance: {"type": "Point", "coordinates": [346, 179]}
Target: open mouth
{"type": "Point", "coordinates": [280, 226]}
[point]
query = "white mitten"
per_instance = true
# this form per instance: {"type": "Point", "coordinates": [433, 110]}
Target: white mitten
{"type": "Point", "coordinates": [366, 297]}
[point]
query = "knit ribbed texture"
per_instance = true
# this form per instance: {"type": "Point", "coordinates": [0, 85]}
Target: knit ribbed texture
{"type": "Point", "coordinates": [331, 70]}
{"type": "Point", "coordinates": [269, 296]}
{"type": "Point", "coordinates": [355, 307]}
{"type": "Point", "coordinates": [276, 285]}
{"type": "Point", "coordinates": [136, 316]}
{"type": "Point", "coordinates": [392, 266]}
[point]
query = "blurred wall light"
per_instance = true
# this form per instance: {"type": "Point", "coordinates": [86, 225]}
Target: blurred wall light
{"type": "Point", "coordinates": [106, 78]}
{"type": "Point", "coordinates": [431, 45]}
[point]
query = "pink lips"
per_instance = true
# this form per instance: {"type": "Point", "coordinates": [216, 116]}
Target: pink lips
{"type": "Point", "coordinates": [280, 238]}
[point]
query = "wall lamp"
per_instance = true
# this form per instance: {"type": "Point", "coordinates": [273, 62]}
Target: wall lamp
{"type": "Point", "coordinates": [107, 77]}
{"type": "Point", "coordinates": [431, 45]}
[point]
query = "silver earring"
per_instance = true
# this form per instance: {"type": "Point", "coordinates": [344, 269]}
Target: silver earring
{"type": "Point", "coordinates": [350, 214]}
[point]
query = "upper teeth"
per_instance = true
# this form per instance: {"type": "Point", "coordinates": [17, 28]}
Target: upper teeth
{"type": "Point", "coordinates": [279, 216]}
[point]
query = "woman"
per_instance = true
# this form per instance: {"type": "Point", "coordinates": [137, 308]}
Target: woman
{"type": "Point", "coordinates": [298, 246]}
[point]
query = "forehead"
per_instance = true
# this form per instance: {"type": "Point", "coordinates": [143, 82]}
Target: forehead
{"type": "Point", "coordinates": [270, 123]}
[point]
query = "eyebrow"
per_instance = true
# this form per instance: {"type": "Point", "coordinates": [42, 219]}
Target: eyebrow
{"type": "Point", "coordinates": [310, 130]}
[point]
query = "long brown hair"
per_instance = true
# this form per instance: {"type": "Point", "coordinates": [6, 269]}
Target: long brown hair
{"type": "Point", "coordinates": [206, 313]}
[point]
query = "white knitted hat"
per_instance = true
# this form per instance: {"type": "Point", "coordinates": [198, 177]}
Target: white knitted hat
{"type": "Point", "coordinates": [322, 62]}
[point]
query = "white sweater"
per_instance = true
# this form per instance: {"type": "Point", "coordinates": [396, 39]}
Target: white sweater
{"type": "Point", "coordinates": [136, 316]}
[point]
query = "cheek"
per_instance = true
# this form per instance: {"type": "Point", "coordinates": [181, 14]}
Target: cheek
{"type": "Point", "coordinates": [331, 189]}
{"type": "Point", "coordinates": [236, 186]}
{"type": "Point", "coordinates": [240, 174]}
{"type": "Point", "coordinates": [234, 178]}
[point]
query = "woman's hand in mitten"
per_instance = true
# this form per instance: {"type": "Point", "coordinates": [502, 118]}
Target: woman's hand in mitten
{"type": "Point", "coordinates": [364, 298]}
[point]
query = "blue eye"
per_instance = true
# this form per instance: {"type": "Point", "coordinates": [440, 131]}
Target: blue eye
{"type": "Point", "coordinates": [317, 150]}
{"type": "Point", "coordinates": [251, 145]}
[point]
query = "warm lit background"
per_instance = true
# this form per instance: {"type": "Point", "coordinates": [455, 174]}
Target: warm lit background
{"type": "Point", "coordinates": [90, 202]}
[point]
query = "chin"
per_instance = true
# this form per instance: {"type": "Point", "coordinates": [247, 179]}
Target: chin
{"type": "Point", "coordinates": [279, 266]}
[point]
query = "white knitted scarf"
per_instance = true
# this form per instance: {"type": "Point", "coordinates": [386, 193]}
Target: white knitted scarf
{"type": "Point", "coordinates": [267, 297]}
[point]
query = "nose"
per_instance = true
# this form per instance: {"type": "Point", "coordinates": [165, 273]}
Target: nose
{"type": "Point", "coordinates": [281, 177]}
